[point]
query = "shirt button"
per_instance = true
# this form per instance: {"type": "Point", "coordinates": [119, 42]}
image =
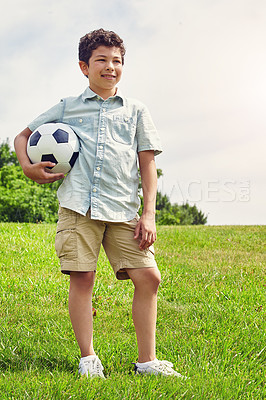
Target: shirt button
{"type": "Point", "coordinates": [94, 190]}
{"type": "Point", "coordinates": [104, 109]}
{"type": "Point", "coordinates": [102, 129]}
{"type": "Point", "coordinates": [98, 168]}
{"type": "Point", "coordinates": [100, 147]}
{"type": "Point", "coordinates": [81, 120]}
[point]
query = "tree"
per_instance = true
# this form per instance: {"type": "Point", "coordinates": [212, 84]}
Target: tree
{"type": "Point", "coordinates": [163, 202]}
{"type": "Point", "coordinates": [7, 156]}
{"type": "Point", "coordinates": [174, 214]}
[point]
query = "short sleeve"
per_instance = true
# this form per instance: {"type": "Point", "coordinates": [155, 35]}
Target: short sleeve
{"type": "Point", "coordinates": [54, 114]}
{"type": "Point", "coordinates": [147, 135]}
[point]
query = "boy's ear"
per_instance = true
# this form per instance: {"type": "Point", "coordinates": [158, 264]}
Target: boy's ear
{"type": "Point", "coordinates": [84, 68]}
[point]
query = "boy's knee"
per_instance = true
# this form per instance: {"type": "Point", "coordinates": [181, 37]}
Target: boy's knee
{"type": "Point", "coordinates": [156, 278]}
{"type": "Point", "coordinates": [82, 279]}
{"type": "Point", "coordinates": [149, 278]}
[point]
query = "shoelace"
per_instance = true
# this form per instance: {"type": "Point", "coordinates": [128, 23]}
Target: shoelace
{"type": "Point", "coordinates": [164, 366]}
{"type": "Point", "coordinates": [99, 367]}
{"type": "Point", "coordinates": [161, 366]}
{"type": "Point", "coordinates": [96, 365]}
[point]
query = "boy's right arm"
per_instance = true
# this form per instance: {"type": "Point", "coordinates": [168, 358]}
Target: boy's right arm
{"type": "Point", "coordinates": [37, 172]}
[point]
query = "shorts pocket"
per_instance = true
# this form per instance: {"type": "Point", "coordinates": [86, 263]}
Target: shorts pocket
{"type": "Point", "coordinates": [65, 238]}
{"type": "Point", "coordinates": [65, 244]}
{"type": "Point", "coordinates": [67, 219]}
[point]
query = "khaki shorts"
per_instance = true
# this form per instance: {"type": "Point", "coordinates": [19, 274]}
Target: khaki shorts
{"type": "Point", "coordinates": [79, 238]}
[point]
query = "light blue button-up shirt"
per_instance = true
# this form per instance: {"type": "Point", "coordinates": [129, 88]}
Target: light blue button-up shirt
{"type": "Point", "coordinates": [111, 133]}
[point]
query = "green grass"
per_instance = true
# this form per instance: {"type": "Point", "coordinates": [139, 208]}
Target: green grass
{"type": "Point", "coordinates": [211, 318]}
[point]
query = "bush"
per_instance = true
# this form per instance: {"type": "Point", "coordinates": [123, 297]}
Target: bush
{"type": "Point", "coordinates": [22, 200]}
{"type": "Point", "coordinates": [168, 214]}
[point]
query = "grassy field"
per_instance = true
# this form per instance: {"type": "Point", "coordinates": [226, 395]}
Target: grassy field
{"type": "Point", "coordinates": [211, 318]}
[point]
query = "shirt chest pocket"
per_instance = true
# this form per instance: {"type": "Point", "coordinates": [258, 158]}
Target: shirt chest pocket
{"type": "Point", "coordinates": [83, 126]}
{"type": "Point", "coordinates": [122, 128]}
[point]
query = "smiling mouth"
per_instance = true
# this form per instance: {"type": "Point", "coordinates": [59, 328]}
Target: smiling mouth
{"type": "Point", "coordinates": [106, 76]}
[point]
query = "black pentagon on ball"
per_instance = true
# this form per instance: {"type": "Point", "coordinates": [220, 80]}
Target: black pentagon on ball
{"type": "Point", "coordinates": [49, 157]}
{"type": "Point", "coordinates": [60, 136]}
{"type": "Point", "coordinates": [34, 138]}
{"type": "Point", "coordinates": [73, 158]}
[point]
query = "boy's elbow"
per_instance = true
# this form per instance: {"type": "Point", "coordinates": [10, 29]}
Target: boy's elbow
{"type": "Point", "coordinates": [21, 139]}
{"type": "Point", "coordinates": [16, 139]}
{"type": "Point", "coordinates": [25, 133]}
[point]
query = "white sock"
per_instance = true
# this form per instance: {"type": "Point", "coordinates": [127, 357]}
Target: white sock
{"type": "Point", "coordinates": [87, 358]}
{"type": "Point", "coordinates": [145, 364]}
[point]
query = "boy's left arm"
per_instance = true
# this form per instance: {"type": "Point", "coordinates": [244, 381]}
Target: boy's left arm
{"type": "Point", "coordinates": [146, 229]}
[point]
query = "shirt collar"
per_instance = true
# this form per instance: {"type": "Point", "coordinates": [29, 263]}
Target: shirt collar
{"type": "Point", "coordinates": [89, 94]}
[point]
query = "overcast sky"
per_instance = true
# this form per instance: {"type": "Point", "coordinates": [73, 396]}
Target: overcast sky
{"type": "Point", "coordinates": [199, 66]}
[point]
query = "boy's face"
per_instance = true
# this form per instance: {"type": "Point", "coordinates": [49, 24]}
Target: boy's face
{"type": "Point", "coordinates": [104, 70]}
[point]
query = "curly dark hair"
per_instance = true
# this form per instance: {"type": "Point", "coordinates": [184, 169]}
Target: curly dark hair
{"type": "Point", "coordinates": [96, 38]}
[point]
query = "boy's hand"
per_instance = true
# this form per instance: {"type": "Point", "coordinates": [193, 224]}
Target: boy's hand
{"type": "Point", "coordinates": [145, 231]}
{"type": "Point", "coordinates": [38, 172]}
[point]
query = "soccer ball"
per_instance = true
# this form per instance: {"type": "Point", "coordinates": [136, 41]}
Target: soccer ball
{"type": "Point", "coordinates": [55, 142]}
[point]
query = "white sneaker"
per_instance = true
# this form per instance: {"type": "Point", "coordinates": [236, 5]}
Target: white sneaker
{"type": "Point", "coordinates": [91, 366]}
{"type": "Point", "coordinates": [156, 367]}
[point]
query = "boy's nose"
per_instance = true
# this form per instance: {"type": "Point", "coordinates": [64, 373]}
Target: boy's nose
{"type": "Point", "coordinates": [110, 67]}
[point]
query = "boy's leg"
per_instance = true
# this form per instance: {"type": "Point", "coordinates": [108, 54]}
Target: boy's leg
{"type": "Point", "coordinates": [144, 309]}
{"type": "Point", "coordinates": [128, 261]}
{"type": "Point", "coordinates": [80, 309]}
{"type": "Point", "coordinates": [144, 312]}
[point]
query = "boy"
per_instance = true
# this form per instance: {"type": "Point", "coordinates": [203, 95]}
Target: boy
{"type": "Point", "coordinates": [98, 199]}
